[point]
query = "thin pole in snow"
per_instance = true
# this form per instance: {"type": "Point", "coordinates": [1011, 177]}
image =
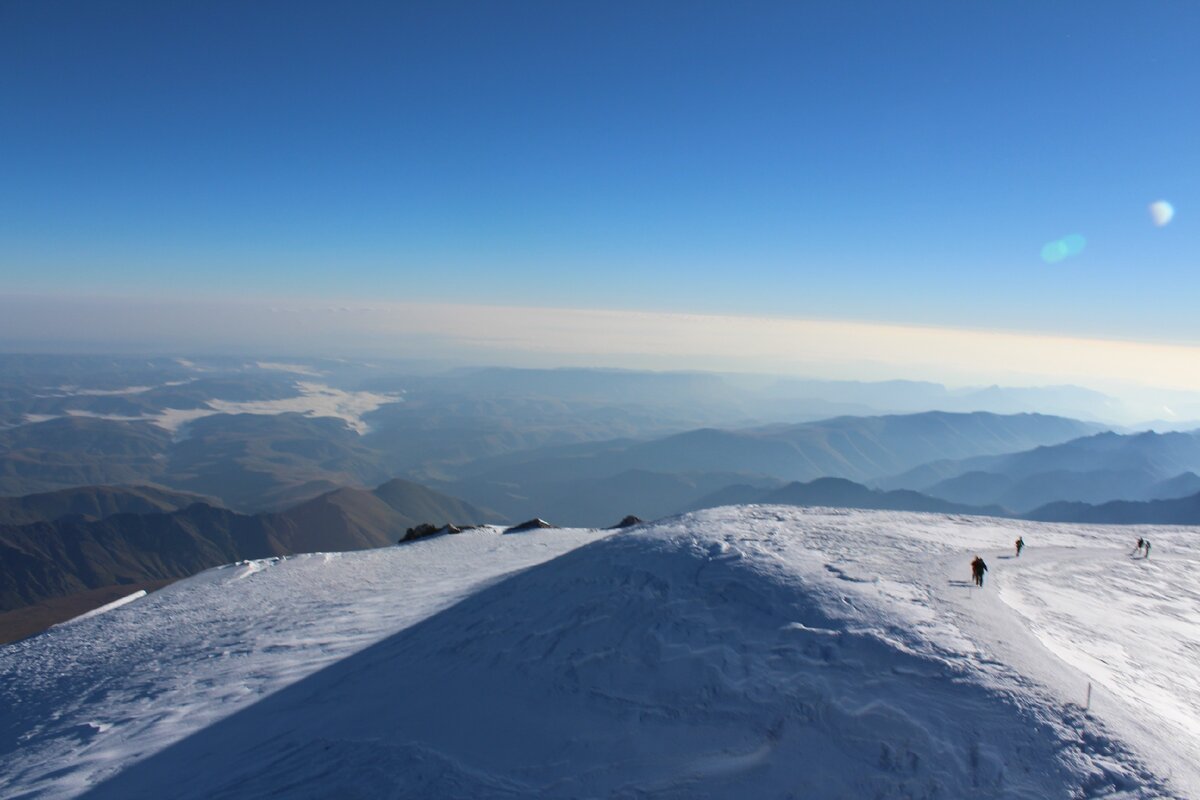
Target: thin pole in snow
{"type": "Point", "coordinates": [1088, 704]}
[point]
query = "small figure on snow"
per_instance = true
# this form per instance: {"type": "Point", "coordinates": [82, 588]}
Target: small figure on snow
{"type": "Point", "coordinates": [1020, 545]}
{"type": "Point", "coordinates": [1141, 544]}
{"type": "Point", "coordinates": [978, 567]}
{"type": "Point", "coordinates": [1146, 542]}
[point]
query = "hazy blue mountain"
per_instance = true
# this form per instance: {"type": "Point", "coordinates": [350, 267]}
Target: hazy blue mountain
{"type": "Point", "coordinates": [974, 488]}
{"type": "Point", "coordinates": [1176, 511]}
{"type": "Point", "coordinates": [858, 448]}
{"type": "Point", "coordinates": [597, 501]}
{"type": "Point", "coordinates": [722, 398]}
{"type": "Point", "coordinates": [433, 432]}
{"type": "Point", "coordinates": [1030, 491]}
{"type": "Point", "coordinates": [1183, 485]}
{"type": "Point", "coordinates": [1074, 401]}
{"type": "Point", "coordinates": [899, 396]}
{"type": "Point", "coordinates": [1160, 426]}
{"type": "Point", "coordinates": [595, 385]}
{"type": "Point", "coordinates": [1092, 469]}
{"type": "Point", "coordinates": [738, 494]}
{"type": "Point", "coordinates": [586, 484]}
{"type": "Point", "coordinates": [840, 493]}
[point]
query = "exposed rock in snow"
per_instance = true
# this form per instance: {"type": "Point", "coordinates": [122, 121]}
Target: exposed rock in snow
{"type": "Point", "coordinates": [428, 529]}
{"type": "Point", "coordinates": [532, 525]}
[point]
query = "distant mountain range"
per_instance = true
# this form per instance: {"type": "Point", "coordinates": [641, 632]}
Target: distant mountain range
{"type": "Point", "coordinates": [596, 502]}
{"type": "Point", "coordinates": [839, 493]}
{"type": "Point", "coordinates": [664, 474]}
{"type": "Point", "coordinates": [183, 423]}
{"type": "Point", "coordinates": [1176, 511]}
{"type": "Point", "coordinates": [49, 559]}
{"type": "Point", "coordinates": [901, 397]}
{"type": "Point", "coordinates": [858, 448]}
{"type": "Point", "coordinates": [1091, 469]}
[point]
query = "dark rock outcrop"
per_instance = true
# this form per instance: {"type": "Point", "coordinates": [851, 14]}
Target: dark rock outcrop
{"type": "Point", "coordinates": [420, 532]}
{"type": "Point", "coordinates": [427, 529]}
{"type": "Point", "coordinates": [531, 525]}
{"type": "Point", "coordinates": [628, 522]}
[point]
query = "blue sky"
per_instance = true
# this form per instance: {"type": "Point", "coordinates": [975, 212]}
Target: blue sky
{"type": "Point", "coordinates": [893, 162]}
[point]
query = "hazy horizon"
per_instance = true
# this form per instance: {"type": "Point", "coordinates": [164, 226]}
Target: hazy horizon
{"type": "Point", "coordinates": [490, 335]}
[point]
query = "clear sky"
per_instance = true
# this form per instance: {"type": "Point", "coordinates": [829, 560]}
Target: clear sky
{"type": "Point", "coordinates": [903, 163]}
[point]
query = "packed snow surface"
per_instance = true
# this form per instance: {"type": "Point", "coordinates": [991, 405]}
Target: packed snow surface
{"type": "Point", "coordinates": [739, 652]}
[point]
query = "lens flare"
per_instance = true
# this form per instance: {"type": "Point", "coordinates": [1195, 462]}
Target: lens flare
{"type": "Point", "coordinates": [1161, 212]}
{"type": "Point", "coordinates": [1059, 249]}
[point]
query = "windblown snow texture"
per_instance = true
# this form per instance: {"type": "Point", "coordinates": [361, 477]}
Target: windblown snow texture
{"type": "Point", "coordinates": [737, 652]}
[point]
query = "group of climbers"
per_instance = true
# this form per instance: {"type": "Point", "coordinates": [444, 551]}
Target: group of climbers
{"type": "Point", "coordinates": [1143, 547]}
{"type": "Point", "coordinates": [979, 566]}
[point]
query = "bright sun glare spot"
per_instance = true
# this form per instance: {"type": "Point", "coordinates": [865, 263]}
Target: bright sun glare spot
{"type": "Point", "coordinates": [1059, 249]}
{"type": "Point", "coordinates": [1161, 212]}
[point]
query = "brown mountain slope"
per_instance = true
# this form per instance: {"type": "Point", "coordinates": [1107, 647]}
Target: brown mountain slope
{"type": "Point", "coordinates": [94, 502]}
{"type": "Point", "coordinates": [353, 519]}
{"type": "Point", "coordinates": [56, 559]}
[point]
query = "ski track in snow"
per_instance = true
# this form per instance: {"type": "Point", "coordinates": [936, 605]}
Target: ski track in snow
{"type": "Point", "coordinates": [736, 652]}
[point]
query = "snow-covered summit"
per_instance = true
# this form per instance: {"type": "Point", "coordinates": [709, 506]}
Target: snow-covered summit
{"type": "Point", "coordinates": [738, 652]}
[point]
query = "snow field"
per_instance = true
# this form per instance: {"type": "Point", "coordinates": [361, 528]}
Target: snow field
{"type": "Point", "coordinates": [86, 699]}
{"type": "Point", "coordinates": [736, 652]}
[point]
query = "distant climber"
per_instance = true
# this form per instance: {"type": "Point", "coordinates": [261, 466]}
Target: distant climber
{"type": "Point", "coordinates": [1141, 543]}
{"type": "Point", "coordinates": [1020, 545]}
{"type": "Point", "coordinates": [1147, 544]}
{"type": "Point", "coordinates": [978, 567]}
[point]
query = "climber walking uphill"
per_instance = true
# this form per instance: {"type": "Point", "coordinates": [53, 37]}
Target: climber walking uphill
{"type": "Point", "coordinates": [978, 567]}
{"type": "Point", "coordinates": [1020, 545]}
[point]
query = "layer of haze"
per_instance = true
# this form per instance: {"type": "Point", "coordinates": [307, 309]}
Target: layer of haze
{"type": "Point", "coordinates": [528, 336]}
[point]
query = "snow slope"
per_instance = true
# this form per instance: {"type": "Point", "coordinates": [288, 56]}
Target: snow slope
{"type": "Point", "coordinates": [736, 652]}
